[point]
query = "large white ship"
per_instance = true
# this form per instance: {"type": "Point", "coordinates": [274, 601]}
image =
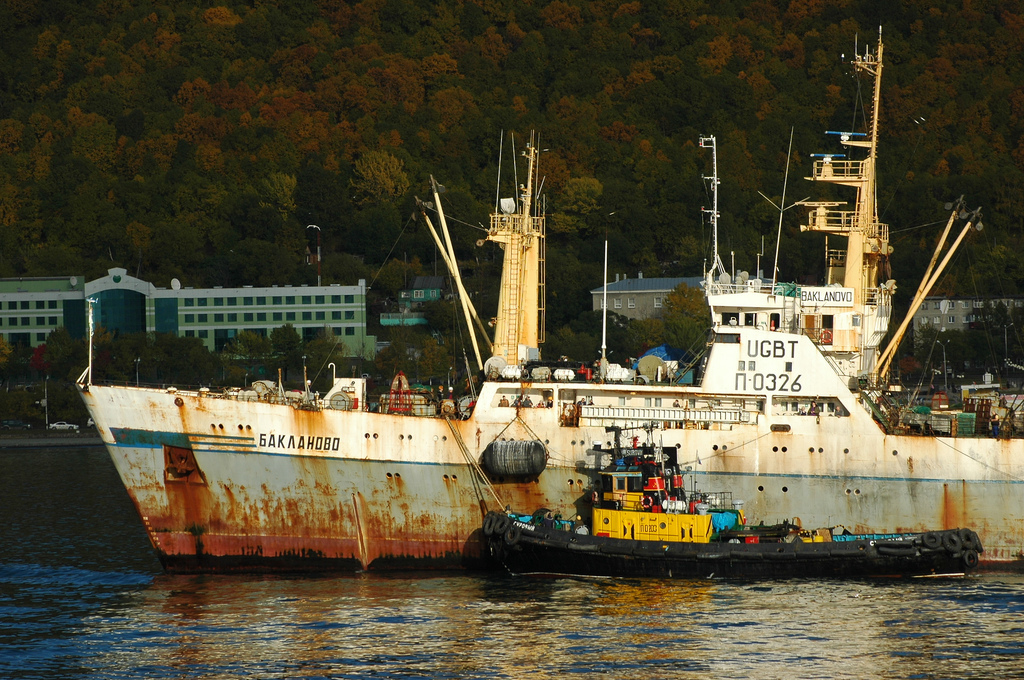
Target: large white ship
{"type": "Point", "coordinates": [789, 408]}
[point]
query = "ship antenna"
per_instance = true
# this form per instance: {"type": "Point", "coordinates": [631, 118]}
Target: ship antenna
{"type": "Point", "coordinates": [778, 238]}
{"type": "Point", "coordinates": [604, 313]}
{"type": "Point", "coordinates": [716, 264]}
{"type": "Point", "coordinates": [497, 188]}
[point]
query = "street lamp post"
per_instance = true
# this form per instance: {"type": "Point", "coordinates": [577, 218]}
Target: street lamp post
{"type": "Point", "coordinates": [313, 226]}
{"type": "Point", "coordinates": [137, 360]}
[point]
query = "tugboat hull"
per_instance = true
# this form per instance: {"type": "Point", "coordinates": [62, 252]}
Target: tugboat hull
{"type": "Point", "coordinates": [527, 549]}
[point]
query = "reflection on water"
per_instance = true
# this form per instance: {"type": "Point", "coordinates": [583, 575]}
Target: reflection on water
{"type": "Point", "coordinates": [81, 596]}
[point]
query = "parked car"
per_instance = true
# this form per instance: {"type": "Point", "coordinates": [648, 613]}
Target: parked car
{"type": "Point", "coordinates": [61, 425]}
{"type": "Point", "coordinates": [14, 425]}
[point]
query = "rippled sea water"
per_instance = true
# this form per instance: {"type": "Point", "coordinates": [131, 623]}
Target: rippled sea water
{"type": "Point", "coordinates": [81, 596]}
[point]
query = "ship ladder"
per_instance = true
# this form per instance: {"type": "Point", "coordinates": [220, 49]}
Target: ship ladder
{"type": "Point", "coordinates": [480, 476]}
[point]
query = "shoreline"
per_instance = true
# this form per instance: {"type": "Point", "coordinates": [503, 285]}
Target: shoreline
{"type": "Point", "coordinates": [46, 439]}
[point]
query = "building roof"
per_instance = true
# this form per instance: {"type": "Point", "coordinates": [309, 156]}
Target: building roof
{"type": "Point", "coordinates": [652, 285]}
{"type": "Point", "coordinates": [427, 282]}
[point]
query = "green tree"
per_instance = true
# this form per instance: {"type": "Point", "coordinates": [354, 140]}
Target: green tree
{"type": "Point", "coordinates": [251, 352]}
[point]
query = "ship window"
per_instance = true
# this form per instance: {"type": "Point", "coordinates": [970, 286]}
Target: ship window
{"type": "Point", "coordinates": [856, 320]}
{"type": "Point", "coordinates": [775, 321]}
{"type": "Point", "coordinates": [620, 483]}
{"type": "Point", "coordinates": [635, 484]}
{"type": "Point", "coordinates": [730, 318]}
{"type": "Point", "coordinates": [730, 338]}
{"type": "Point", "coordinates": [647, 402]}
{"type": "Point", "coordinates": [750, 319]}
{"type": "Point", "coordinates": [622, 401]}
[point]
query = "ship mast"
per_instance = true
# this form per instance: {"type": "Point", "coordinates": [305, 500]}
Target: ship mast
{"type": "Point", "coordinates": [519, 324]}
{"type": "Point", "coordinates": [716, 265]}
{"type": "Point", "coordinates": [858, 266]}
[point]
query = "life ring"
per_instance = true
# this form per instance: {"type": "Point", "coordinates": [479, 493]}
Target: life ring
{"type": "Point", "coordinates": [513, 535]}
{"type": "Point", "coordinates": [501, 524]}
{"type": "Point", "coordinates": [489, 524]}
{"type": "Point", "coordinates": [951, 541]}
{"type": "Point", "coordinates": [931, 540]}
{"type": "Point", "coordinates": [970, 558]}
{"type": "Point", "coordinates": [826, 337]}
{"type": "Point", "coordinates": [646, 502]}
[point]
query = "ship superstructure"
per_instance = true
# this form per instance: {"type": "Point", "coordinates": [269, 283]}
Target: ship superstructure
{"type": "Point", "coordinates": [787, 407]}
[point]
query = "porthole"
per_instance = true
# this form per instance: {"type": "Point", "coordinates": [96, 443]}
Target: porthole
{"type": "Point", "coordinates": [240, 428]}
{"type": "Point", "coordinates": [895, 452]}
{"type": "Point", "coordinates": [444, 438]}
{"type": "Point", "coordinates": [846, 450]}
{"type": "Point", "coordinates": [662, 525]}
{"type": "Point", "coordinates": [401, 436]}
{"type": "Point", "coordinates": [374, 435]}
{"type": "Point", "coordinates": [821, 450]}
{"type": "Point", "coordinates": [455, 478]}
{"type": "Point", "coordinates": [856, 492]}
{"type": "Point", "coordinates": [606, 520]}
{"type": "Point", "coordinates": [367, 435]}
{"type": "Point", "coordinates": [715, 447]}
{"type": "Point", "coordinates": [785, 489]}
{"type": "Point", "coordinates": [571, 482]}
{"type": "Point", "coordinates": [760, 489]}
{"type": "Point", "coordinates": [389, 475]}
{"type": "Point", "coordinates": [775, 449]}
{"type": "Point", "coordinates": [784, 449]}
{"type": "Point", "coordinates": [398, 476]}
{"type": "Point", "coordinates": [446, 476]}
{"type": "Point", "coordinates": [810, 450]}
{"type": "Point", "coordinates": [848, 492]}
{"type": "Point", "coordinates": [725, 447]}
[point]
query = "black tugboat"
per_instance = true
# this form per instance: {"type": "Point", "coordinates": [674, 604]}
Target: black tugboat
{"type": "Point", "coordinates": [645, 524]}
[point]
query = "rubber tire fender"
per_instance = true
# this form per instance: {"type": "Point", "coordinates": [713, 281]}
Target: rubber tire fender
{"type": "Point", "coordinates": [970, 558]}
{"type": "Point", "coordinates": [951, 541]}
{"type": "Point", "coordinates": [489, 524]}
{"type": "Point", "coordinates": [501, 524]}
{"type": "Point", "coordinates": [932, 540]}
{"type": "Point", "coordinates": [513, 535]}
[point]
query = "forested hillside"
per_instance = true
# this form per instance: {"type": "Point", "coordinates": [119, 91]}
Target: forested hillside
{"type": "Point", "coordinates": [179, 139]}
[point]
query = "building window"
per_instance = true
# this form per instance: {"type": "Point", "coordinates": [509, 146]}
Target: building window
{"type": "Point", "coordinates": [335, 299]}
{"type": "Point", "coordinates": [190, 302]}
{"type": "Point", "coordinates": [201, 302]}
{"type": "Point", "coordinates": [631, 303]}
{"type": "Point", "coordinates": [335, 316]}
{"type": "Point", "coordinates": [289, 300]}
{"type": "Point", "coordinates": [14, 321]}
{"type": "Point", "coordinates": [290, 316]}
{"type": "Point", "coordinates": [12, 305]}
{"type": "Point", "coordinates": [218, 302]}
{"type": "Point", "coordinates": [53, 321]}
{"type": "Point", "coordinates": [190, 318]}
{"type": "Point", "coordinates": [40, 320]}
{"type": "Point", "coordinates": [320, 316]}
{"type": "Point", "coordinates": [204, 333]}
{"type": "Point", "coordinates": [52, 304]}
{"type": "Point", "coordinates": [278, 316]}
{"type": "Point", "coordinates": [26, 321]}
{"type": "Point", "coordinates": [232, 302]}
{"type": "Point", "coordinates": [247, 301]}
{"type": "Point", "coordinates": [261, 316]}
{"type": "Point", "coordinates": [418, 294]}
{"type": "Point", "coordinates": [277, 299]}
{"type": "Point", "coordinates": [307, 299]}
{"type": "Point", "coordinates": [248, 316]}
{"type": "Point", "coordinates": [24, 304]}
{"type": "Point", "coordinates": [349, 299]}
{"type": "Point", "coordinates": [40, 304]}
{"type": "Point", "coordinates": [233, 318]}
{"type": "Point", "coordinates": [618, 303]}
{"type": "Point", "coordinates": [307, 316]}
{"type": "Point", "coordinates": [350, 331]}
{"type": "Point", "coordinates": [952, 319]}
{"type": "Point", "coordinates": [657, 302]}
{"type": "Point", "coordinates": [964, 304]}
{"type": "Point", "coordinates": [936, 320]}
{"type": "Point", "coordinates": [202, 318]}
{"type": "Point", "coordinates": [190, 334]}
{"type": "Point", "coordinates": [260, 300]}
{"type": "Point", "coordinates": [319, 299]}
{"type": "Point", "coordinates": [350, 315]}
{"type": "Point", "coordinates": [218, 318]}
{"type": "Point", "coordinates": [41, 337]}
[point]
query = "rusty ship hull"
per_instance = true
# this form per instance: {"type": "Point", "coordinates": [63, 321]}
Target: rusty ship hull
{"type": "Point", "coordinates": [222, 483]}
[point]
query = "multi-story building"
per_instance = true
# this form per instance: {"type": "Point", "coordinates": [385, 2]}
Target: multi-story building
{"type": "Point", "coordinates": [30, 308]}
{"type": "Point", "coordinates": [960, 313]}
{"type": "Point", "coordinates": [640, 298]}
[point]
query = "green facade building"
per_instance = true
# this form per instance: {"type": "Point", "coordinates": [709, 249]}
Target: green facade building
{"type": "Point", "coordinates": [31, 308]}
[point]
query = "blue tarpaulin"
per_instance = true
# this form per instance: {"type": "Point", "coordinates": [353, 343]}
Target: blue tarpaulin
{"type": "Point", "coordinates": [663, 352]}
